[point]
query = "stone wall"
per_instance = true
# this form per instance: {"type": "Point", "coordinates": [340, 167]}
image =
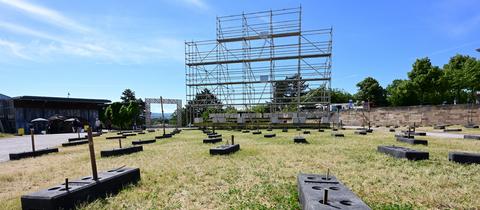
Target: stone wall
{"type": "Point", "coordinates": [421, 115]}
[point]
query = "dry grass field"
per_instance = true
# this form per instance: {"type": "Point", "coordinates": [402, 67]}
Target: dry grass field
{"type": "Point", "coordinates": [179, 173]}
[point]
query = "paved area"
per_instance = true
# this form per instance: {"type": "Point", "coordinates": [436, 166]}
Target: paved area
{"type": "Point", "coordinates": [434, 134]}
{"type": "Point", "coordinates": [23, 143]}
{"type": "Point", "coordinates": [446, 135]}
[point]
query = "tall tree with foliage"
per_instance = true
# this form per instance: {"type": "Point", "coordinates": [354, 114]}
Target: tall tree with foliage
{"type": "Point", "coordinates": [203, 101]}
{"type": "Point", "coordinates": [369, 90]}
{"type": "Point", "coordinates": [128, 95]}
{"type": "Point", "coordinates": [286, 91]}
{"type": "Point", "coordinates": [124, 117]}
{"type": "Point", "coordinates": [133, 109]}
{"type": "Point", "coordinates": [336, 96]}
{"type": "Point", "coordinates": [402, 93]}
{"type": "Point", "coordinates": [463, 73]}
{"type": "Point", "coordinates": [427, 81]}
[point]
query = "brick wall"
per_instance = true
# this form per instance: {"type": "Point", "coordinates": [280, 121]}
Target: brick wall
{"type": "Point", "coordinates": [422, 115]}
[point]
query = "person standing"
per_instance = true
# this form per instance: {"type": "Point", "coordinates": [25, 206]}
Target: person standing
{"type": "Point", "coordinates": [98, 125]}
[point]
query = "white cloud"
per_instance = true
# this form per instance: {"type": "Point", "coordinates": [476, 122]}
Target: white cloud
{"type": "Point", "coordinates": [44, 46]}
{"type": "Point", "coordinates": [46, 14]}
{"type": "Point", "coordinates": [26, 31]}
{"type": "Point", "coordinates": [197, 3]}
{"type": "Point", "coordinates": [15, 48]}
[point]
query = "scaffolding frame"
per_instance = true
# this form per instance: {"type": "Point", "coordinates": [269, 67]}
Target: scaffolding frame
{"type": "Point", "coordinates": [260, 58]}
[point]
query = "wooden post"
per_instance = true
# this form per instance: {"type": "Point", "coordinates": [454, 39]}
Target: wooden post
{"type": "Point", "coordinates": [233, 141]}
{"type": "Point", "coordinates": [92, 154]}
{"type": "Point", "coordinates": [120, 142]}
{"type": "Point", "coordinates": [408, 131]}
{"type": "Point", "coordinates": [163, 116]}
{"type": "Point", "coordinates": [33, 139]}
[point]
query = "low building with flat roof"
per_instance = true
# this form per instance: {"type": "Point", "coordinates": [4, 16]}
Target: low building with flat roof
{"type": "Point", "coordinates": [18, 112]}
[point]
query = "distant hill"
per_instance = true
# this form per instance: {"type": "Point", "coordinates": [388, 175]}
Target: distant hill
{"type": "Point", "coordinates": [159, 115]}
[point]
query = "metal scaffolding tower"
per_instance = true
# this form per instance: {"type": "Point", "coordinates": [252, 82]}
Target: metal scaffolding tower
{"type": "Point", "coordinates": [260, 58]}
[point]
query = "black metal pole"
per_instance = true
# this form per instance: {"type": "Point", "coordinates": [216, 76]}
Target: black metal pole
{"type": "Point", "coordinates": [66, 184]}
{"type": "Point", "coordinates": [33, 139]}
{"type": "Point", "coordinates": [163, 116]}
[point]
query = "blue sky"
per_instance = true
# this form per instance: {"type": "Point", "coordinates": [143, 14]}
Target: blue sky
{"type": "Point", "coordinates": [96, 49]}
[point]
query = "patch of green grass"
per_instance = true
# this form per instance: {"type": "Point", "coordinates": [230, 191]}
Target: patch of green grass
{"type": "Point", "coordinates": [3, 135]}
{"type": "Point", "coordinates": [179, 173]}
{"type": "Point", "coordinates": [393, 207]}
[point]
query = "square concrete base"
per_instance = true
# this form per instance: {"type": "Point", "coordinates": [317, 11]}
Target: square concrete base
{"type": "Point", "coordinates": [74, 143]}
{"type": "Point", "coordinates": [337, 135]}
{"type": "Point", "coordinates": [212, 140]}
{"type": "Point", "coordinates": [116, 137]}
{"type": "Point", "coordinates": [167, 135]}
{"type": "Point", "coordinates": [361, 132]}
{"type": "Point", "coordinates": [225, 149]}
{"type": "Point", "coordinates": [452, 130]}
{"type": "Point", "coordinates": [475, 137]}
{"type": "Point", "coordinates": [412, 141]}
{"type": "Point", "coordinates": [402, 152]}
{"type": "Point", "coordinates": [471, 126]}
{"type": "Point", "coordinates": [463, 157]}
{"type": "Point", "coordinates": [214, 135]}
{"type": "Point", "coordinates": [311, 188]}
{"type": "Point", "coordinates": [120, 151]}
{"type": "Point", "coordinates": [80, 191]}
{"type": "Point", "coordinates": [300, 140]}
{"type": "Point", "coordinates": [21, 155]}
{"type": "Point", "coordinates": [139, 142]}
{"type": "Point", "coordinates": [77, 139]}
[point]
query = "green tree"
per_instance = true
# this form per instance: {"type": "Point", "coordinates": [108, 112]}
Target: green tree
{"type": "Point", "coordinates": [340, 96]}
{"type": "Point", "coordinates": [336, 95]}
{"type": "Point", "coordinates": [203, 102]}
{"type": "Point", "coordinates": [108, 116]}
{"type": "Point", "coordinates": [174, 117]}
{"type": "Point", "coordinates": [286, 91]}
{"type": "Point", "coordinates": [402, 93]}
{"type": "Point", "coordinates": [462, 74]}
{"type": "Point", "coordinates": [128, 95]}
{"type": "Point", "coordinates": [116, 119]}
{"type": "Point", "coordinates": [231, 110]}
{"type": "Point", "coordinates": [261, 108]}
{"type": "Point", "coordinates": [124, 117]}
{"type": "Point", "coordinates": [369, 90]}
{"type": "Point", "coordinates": [427, 81]}
{"type": "Point", "coordinates": [133, 112]}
